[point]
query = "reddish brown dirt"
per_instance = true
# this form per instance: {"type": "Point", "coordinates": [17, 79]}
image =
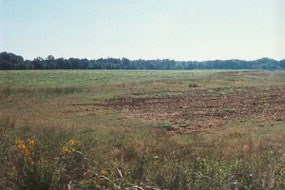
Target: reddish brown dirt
{"type": "Point", "coordinates": [254, 103]}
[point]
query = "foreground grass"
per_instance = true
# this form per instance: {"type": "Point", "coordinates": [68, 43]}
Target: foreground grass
{"type": "Point", "coordinates": [59, 156]}
{"type": "Point", "coordinates": [48, 142]}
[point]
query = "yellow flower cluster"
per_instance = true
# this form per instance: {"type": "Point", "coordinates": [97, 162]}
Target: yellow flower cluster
{"type": "Point", "coordinates": [65, 149]}
{"type": "Point", "coordinates": [22, 147]}
{"type": "Point", "coordinates": [73, 142]}
{"type": "Point", "coordinates": [25, 147]}
{"type": "Point", "coordinates": [31, 142]}
{"type": "Point", "coordinates": [104, 172]}
{"type": "Point", "coordinates": [71, 147]}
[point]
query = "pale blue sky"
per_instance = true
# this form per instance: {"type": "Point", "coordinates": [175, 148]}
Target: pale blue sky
{"type": "Point", "coordinates": [148, 29]}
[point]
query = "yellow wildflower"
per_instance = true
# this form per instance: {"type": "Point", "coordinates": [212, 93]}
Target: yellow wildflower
{"type": "Point", "coordinates": [22, 147]}
{"type": "Point", "coordinates": [31, 142]}
{"type": "Point", "coordinates": [103, 172]}
{"type": "Point", "coordinates": [65, 149]}
{"type": "Point", "coordinates": [73, 142]}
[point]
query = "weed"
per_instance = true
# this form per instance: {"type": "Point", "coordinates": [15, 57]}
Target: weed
{"type": "Point", "coordinates": [193, 85]}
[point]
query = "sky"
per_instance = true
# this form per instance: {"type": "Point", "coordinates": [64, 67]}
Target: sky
{"type": "Point", "coordinates": [146, 29]}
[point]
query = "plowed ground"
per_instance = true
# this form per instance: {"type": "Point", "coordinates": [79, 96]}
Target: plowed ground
{"type": "Point", "coordinates": [253, 103]}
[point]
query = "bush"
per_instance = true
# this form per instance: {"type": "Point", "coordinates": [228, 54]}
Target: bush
{"type": "Point", "coordinates": [193, 85]}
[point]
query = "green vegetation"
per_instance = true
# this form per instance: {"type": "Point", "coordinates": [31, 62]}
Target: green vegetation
{"type": "Point", "coordinates": [142, 129]}
{"type": "Point", "coordinates": [193, 85]}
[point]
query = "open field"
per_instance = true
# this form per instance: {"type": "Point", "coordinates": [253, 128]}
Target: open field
{"type": "Point", "coordinates": [204, 129]}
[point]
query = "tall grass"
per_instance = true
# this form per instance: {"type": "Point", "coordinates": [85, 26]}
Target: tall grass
{"type": "Point", "coordinates": [10, 90]}
{"type": "Point", "coordinates": [61, 157]}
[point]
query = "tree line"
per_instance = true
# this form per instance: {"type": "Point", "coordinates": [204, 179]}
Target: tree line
{"type": "Point", "coordinates": [10, 61]}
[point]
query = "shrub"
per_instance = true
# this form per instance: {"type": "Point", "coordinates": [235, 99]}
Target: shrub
{"type": "Point", "coordinates": [193, 85]}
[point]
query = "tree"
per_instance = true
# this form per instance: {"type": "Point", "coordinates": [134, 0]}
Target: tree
{"type": "Point", "coordinates": [10, 61]}
{"type": "Point", "coordinates": [38, 63]}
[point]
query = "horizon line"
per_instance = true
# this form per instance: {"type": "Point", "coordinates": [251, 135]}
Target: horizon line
{"type": "Point", "coordinates": [152, 59]}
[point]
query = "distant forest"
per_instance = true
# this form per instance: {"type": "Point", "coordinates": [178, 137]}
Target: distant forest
{"type": "Point", "coordinates": [10, 61]}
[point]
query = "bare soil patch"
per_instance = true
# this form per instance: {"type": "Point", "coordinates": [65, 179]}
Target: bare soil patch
{"type": "Point", "coordinates": [267, 104]}
{"type": "Point", "coordinates": [202, 109]}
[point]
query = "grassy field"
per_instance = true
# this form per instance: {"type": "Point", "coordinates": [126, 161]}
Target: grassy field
{"type": "Point", "coordinates": [204, 129]}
